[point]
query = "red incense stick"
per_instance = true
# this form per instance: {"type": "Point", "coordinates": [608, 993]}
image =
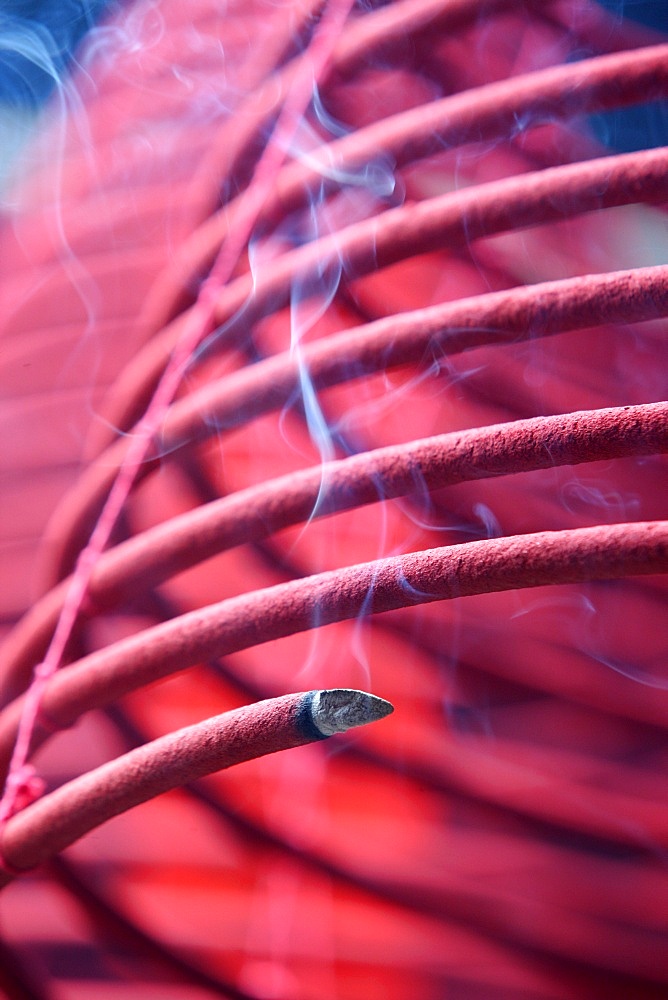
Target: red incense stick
{"type": "Point", "coordinates": [546, 558]}
{"type": "Point", "coordinates": [540, 310]}
{"type": "Point", "coordinates": [65, 815]}
{"type": "Point", "coordinates": [201, 318]}
{"type": "Point", "coordinates": [255, 513]}
{"type": "Point", "coordinates": [449, 221]}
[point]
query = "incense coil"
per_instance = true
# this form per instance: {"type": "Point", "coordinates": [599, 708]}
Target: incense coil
{"type": "Point", "coordinates": [501, 838]}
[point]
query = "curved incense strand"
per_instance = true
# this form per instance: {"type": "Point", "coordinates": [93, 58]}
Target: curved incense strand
{"type": "Point", "coordinates": [545, 558]}
{"type": "Point", "coordinates": [201, 319]}
{"type": "Point", "coordinates": [62, 817]}
{"type": "Point", "coordinates": [259, 511]}
{"type": "Point", "coordinates": [573, 676]}
{"type": "Point", "coordinates": [421, 336]}
{"type": "Point", "coordinates": [484, 114]}
{"type": "Point", "coordinates": [446, 222]}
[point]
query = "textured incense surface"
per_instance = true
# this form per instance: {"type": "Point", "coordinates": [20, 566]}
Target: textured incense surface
{"type": "Point", "coordinates": [410, 436]}
{"type": "Point", "coordinates": [61, 818]}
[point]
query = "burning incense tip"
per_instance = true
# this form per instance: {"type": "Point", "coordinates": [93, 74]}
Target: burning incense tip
{"type": "Point", "coordinates": [341, 709]}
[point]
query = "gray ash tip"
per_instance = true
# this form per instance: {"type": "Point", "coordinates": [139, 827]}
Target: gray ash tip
{"type": "Point", "coordinates": [340, 709]}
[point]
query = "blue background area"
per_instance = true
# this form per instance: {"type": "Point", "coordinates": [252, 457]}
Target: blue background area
{"type": "Point", "coordinates": [641, 127]}
{"type": "Point", "coordinates": [37, 38]}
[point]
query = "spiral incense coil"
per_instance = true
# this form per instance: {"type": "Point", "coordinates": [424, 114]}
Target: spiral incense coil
{"type": "Point", "coordinates": [333, 359]}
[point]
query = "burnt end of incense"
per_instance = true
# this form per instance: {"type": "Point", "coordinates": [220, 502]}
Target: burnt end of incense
{"type": "Point", "coordinates": [324, 713]}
